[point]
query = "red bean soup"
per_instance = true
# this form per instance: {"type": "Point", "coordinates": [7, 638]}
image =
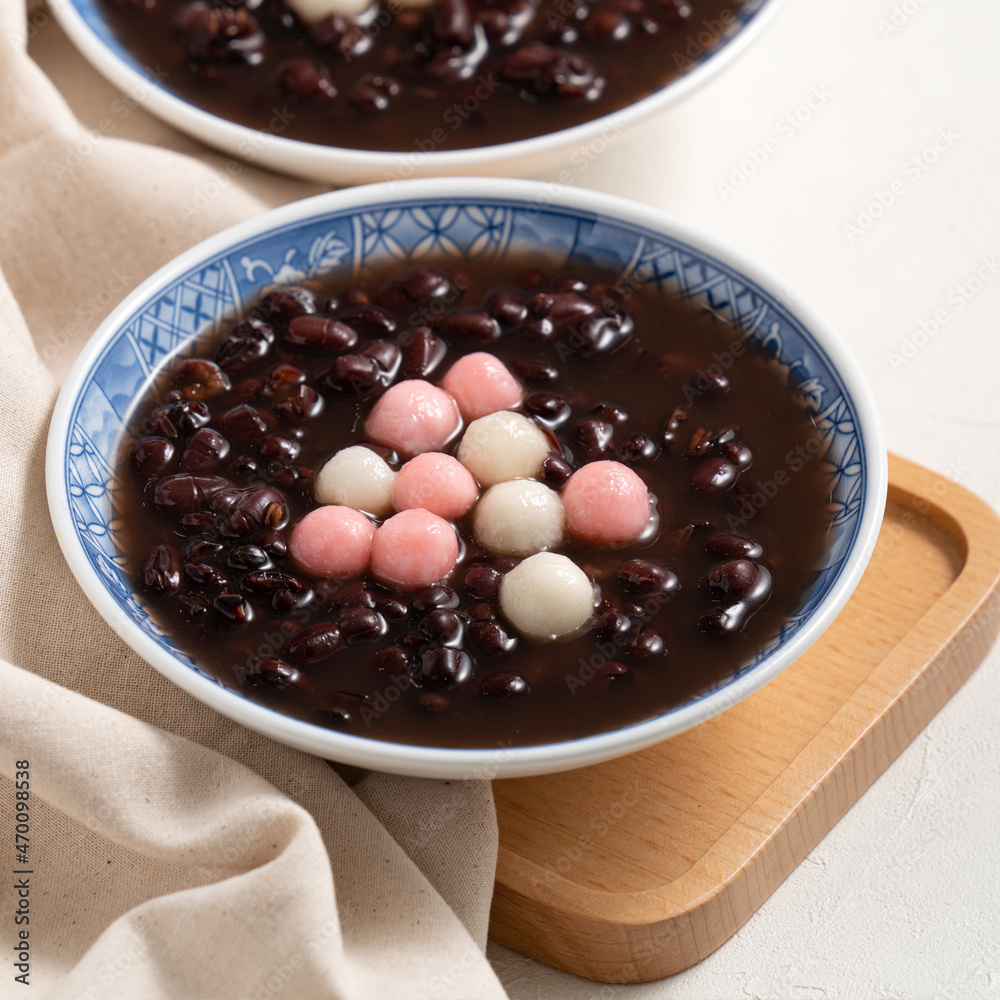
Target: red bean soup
{"type": "Point", "coordinates": [457, 74]}
{"type": "Point", "coordinates": [601, 380]}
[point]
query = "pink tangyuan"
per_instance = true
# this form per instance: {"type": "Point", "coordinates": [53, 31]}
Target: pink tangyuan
{"type": "Point", "coordinates": [436, 482]}
{"type": "Point", "coordinates": [332, 541]}
{"type": "Point", "coordinates": [605, 503]}
{"type": "Point", "coordinates": [414, 548]}
{"type": "Point", "coordinates": [481, 384]}
{"type": "Point", "coordinates": [414, 416]}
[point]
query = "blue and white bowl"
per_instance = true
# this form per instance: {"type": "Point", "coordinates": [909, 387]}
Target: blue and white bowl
{"type": "Point", "coordinates": [709, 50]}
{"type": "Point", "coordinates": [409, 221]}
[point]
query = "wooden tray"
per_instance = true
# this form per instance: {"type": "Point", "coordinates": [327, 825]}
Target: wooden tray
{"type": "Point", "coordinates": [640, 867]}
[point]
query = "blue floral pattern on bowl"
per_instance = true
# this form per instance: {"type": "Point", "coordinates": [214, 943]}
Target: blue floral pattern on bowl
{"type": "Point", "coordinates": [176, 316]}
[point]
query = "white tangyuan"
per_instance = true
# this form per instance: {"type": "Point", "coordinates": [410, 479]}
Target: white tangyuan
{"type": "Point", "coordinates": [356, 477]}
{"type": "Point", "coordinates": [503, 445]}
{"type": "Point", "coordinates": [518, 518]}
{"type": "Point", "coordinates": [547, 596]}
{"type": "Point", "coordinates": [312, 11]}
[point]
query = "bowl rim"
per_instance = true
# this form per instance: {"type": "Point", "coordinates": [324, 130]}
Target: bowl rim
{"type": "Point", "coordinates": [457, 762]}
{"type": "Point", "coordinates": [317, 161]}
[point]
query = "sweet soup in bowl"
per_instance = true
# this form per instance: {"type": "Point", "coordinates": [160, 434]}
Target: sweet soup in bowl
{"type": "Point", "coordinates": [448, 74]}
{"type": "Point", "coordinates": [349, 91]}
{"type": "Point", "coordinates": [556, 488]}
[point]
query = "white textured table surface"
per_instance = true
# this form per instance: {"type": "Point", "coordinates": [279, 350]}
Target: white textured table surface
{"type": "Point", "coordinates": [841, 112]}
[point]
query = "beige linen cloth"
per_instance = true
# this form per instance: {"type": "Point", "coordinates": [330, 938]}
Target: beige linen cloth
{"type": "Point", "coordinates": [172, 852]}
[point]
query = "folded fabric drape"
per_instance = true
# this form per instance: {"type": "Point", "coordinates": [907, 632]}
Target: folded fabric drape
{"type": "Point", "coordinates": [171, 852]}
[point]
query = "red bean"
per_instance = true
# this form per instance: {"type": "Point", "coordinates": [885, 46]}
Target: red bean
{"type": "Point", "coordinates": [185, 491]}
{"type": "Point", "coordinates": [233, 607]}
{"type": "Point", "coordinates": [273, 543]}
{"type": "Point", "coordinates": [161, 572]}
{"type": "Point", "coordinates": [600, 335]}
{"type": "Point", "coordinates": [451, 23]}
{"type": "Point", "coordinates": [713, 475]}
{"type": "Point", "coordinates": [594, 436]}
{"type": "Point", "coordinates": [639, 447]}
{"type": "Point", "coordinates": [442, 627]}
{"type": "Point", "coordinates": [420, 286]}
{"type": "Point", "coordinates": [550, 409]}
{"type": "Point", "coordinates": [341, 33]}
{"type": "Point", "coordinates": [642, 577]}
{"type": "Point", "coordinates": [205, 451]}
{"type": "Point", "coordinates": [374, 92]}
{"type": "Point", "coordinates": [176, 418]}
{"type": "Point", "coordinates": [423, 351]}
{"type": "Point", "coordinates": [435, 596]}
{"type": "Point", "coordinates": [360, 625]}
{"type": "Point", "coordinates": [707, 442]}
{"type": "Point", "coordinates": [200, 550]}
{"type": "Point", "coordinates": [469, 328]}
{"type": "Point", "coordinates": [555, 471]}
{"type": "Point", "coordinates": [386, 354]}
{"type": "Point", "coordinates": [314, 644]}
{"type": "Point", "coordinates": [491, 638]}
{"type": "Point", "coordinates": [611, 620]}
{"type": "Point", "coordinates": [740, 579]}
{"type": "Point", "coordinates": [442, 666]}
{"type": "Point", "coordinates": [507, 307]}
{"type": "Point", "coordinates": [241, 424]}
{"type": "Point", "coordinates": [649, 643]}
{"type": "Point", "coordinates": [564, 308]}
{"type": "Point", "coordinates": [248, 557]}
{"type": "Point", "coordinates": [269, 671]}
{"type": "Point", "coordinates": [203, 575]}
{"type": "Point", "coordinates": [353, 375]}
{"type": "Point", "coordinates": [535, 371]}
{"type": "Point", "coordinates": [258, 507]}
{"type": "Point", "coordinates": [153, 456]}
{"type": "Point", "coordinates": [317, 333]}
{"type": "Point", "coordinates": [287, 303]}
{"type": "Point", "coordinates": [673, 425]}
{"type": "Point", "coordinates": [302, 403]}
{"type": "Point", "coordinates": [733, 547]}
{"type": "Point", "coordinates": [483, 581]}
{"type": "Point", "coordinates": [503, 684]}
{"type": "Point", "coordinates": [481, 611]}
{"type": "Point", "coordinates": [431, 701]}
{"type": "Point", "coordinates": [201, 378]}
{"type": "Point", "coordinates": [303, 79]}
{"type": "Point", "coordinates": [282, 378]}
{"type": "Point", "coordinates": [604, 25]}
{"type": "Point", "coordinates": [245, 343]}
{"type": "Point", "coordinates": [393, 660]}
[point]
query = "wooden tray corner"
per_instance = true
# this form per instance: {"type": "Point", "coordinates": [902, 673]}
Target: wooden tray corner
{"type": "Point", "coordinates": [640, 867]}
